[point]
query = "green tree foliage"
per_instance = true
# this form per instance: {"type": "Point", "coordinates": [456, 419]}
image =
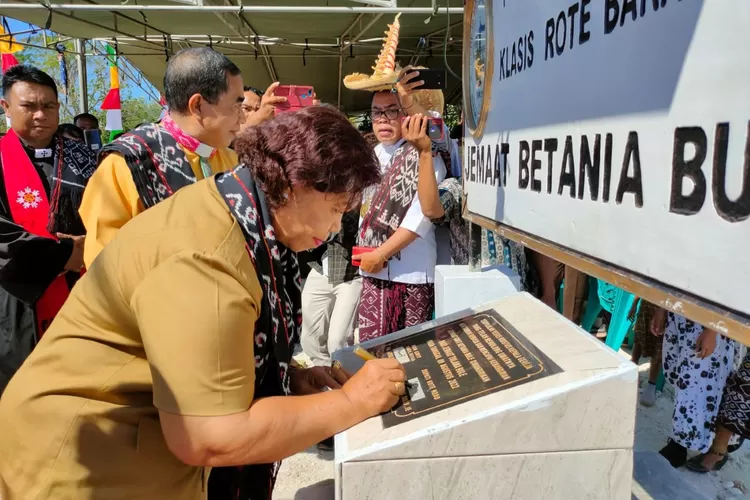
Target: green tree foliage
{"type": "Point", "coordinates": [135, 110]}
{"type": "Point", "coordinates": [452, 115]}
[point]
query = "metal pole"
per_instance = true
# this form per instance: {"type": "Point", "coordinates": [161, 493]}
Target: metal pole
{"type": "Point", "coordinates": [83, 94]}
{"type": "Point", "coordinates": [257, 9]}
{"type": "Point", "coordinates": [341, 77]}
{"type": "Point", "coordinates": [362, 32]}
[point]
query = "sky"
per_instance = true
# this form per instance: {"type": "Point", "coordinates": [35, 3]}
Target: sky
{"type": "Point", "coordinates": [133, 90]}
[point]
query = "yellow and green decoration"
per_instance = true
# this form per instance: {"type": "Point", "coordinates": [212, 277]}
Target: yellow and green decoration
{"type": "Point", "coordinates": [112, 103]}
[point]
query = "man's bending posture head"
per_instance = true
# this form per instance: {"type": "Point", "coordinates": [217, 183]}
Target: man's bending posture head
{"type": "Point", "coordinates": [204, 93]}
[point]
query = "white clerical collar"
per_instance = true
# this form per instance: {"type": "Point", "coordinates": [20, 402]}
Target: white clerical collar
{"type": "Point", "coordinates": [204, 150]}
{"type": "Point", "coordinates": [39, 153]}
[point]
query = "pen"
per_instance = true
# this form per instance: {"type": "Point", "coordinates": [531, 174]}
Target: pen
{"type": "Point", "coordinates": [365, 355]}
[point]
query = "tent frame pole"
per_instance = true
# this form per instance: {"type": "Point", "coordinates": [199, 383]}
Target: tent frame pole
{"type": "Point", "coordinates": [257, 9]}
{"type": "Point", "coordinates": [83, 94]}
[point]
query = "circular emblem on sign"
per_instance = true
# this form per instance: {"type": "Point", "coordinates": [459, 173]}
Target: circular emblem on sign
{"type": "Point", "coordinates": [29, 198]}
{"type": "Point", "coordinates": [478, 52]}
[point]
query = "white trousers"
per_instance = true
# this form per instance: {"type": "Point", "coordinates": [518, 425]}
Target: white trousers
{"type": "Point", "coordinates": [329, 316]}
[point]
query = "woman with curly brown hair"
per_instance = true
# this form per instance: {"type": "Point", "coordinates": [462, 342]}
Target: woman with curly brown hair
{"type": "Point", "coordinates": [172, 354]}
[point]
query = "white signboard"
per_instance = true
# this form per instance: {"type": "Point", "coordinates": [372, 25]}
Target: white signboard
{"type": "Point", "coordinates": [619, 129]}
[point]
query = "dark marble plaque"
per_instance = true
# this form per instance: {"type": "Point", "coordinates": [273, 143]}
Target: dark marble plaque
{"type": "Point", "coordinates": [460, 361]}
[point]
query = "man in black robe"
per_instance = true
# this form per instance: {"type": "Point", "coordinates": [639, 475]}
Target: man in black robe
{"type": "Point", "coordinates": [42, 177]}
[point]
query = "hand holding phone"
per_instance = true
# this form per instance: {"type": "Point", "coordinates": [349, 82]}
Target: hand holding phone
{"type": "Point", "coordinates": [297, 97]}
{"type": "Point", "coordinates": [370, 260]}
{"type": "Point", "coordinates": [434, 79]}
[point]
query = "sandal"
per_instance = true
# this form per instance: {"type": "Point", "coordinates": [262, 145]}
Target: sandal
{"type": "Point", "coordinates": [675, 453]}
{"type": "Point", "coordinates": [695, 464]}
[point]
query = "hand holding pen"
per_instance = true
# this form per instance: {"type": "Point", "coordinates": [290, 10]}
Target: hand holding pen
{"type": "Point", "coordinates": [377, 386]}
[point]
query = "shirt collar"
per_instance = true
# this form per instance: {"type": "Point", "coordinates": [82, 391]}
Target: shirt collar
{"type": "Point", "coordinates": [390, 149]}
{"type": "Point", "coordinates": [185, 140]}
{"type": "Point", "coordinates": [40, 153]}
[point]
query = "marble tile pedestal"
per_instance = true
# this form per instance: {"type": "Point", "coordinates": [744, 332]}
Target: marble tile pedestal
{"type": "Point", "coordinates": [566, 436]}
{"type": "Point", "coordinates": [457, 288]}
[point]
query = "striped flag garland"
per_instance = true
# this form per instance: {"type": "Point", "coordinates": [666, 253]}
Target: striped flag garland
{"type": "Point", "coordinates": [7, 49]}
{"type": "Point", "coordinates": [112, 103]}
{"type": "Point", "coordinates": [63, 68]}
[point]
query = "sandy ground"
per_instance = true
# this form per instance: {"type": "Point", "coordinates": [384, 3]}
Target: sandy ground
{"type": "Point", "coordinates": [652, 429]}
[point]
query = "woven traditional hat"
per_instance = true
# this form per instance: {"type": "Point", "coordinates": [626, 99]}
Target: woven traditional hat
{"type": "Point", "coordinates": [386, 71]}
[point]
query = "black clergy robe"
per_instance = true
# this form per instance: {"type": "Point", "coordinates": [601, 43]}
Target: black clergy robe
{"type": "Point", "coordinates": [29, 263]}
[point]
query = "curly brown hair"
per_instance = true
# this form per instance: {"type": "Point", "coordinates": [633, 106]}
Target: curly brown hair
{"type": "Point", "coordinates": [314, 148]}
{"type": "Point", "coordinates": [371, 138]}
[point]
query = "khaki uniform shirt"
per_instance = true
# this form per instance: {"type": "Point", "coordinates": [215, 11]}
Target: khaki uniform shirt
{"type": "Point", "coordinates": [162, 320]}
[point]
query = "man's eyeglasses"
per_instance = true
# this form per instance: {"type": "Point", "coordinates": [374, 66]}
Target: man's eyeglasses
{"type": "Point", "coordinates": [390, 114]}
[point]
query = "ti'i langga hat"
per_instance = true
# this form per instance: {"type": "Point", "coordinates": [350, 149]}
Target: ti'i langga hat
{"type": "Point", "coordinates": [386, 71]}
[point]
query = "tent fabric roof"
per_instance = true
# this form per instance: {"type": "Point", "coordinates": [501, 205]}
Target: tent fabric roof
{"type": "Point", "coordinates": [145, 37]}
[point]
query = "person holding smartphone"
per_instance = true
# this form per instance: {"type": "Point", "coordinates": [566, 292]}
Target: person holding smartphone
{"type": "Point", "coordinates": [399, 264]}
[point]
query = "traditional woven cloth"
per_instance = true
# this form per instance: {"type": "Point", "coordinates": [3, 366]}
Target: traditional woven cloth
{"type": "Point", "coordinates": [387, 306]}
{"type": "Point", "coordinates": [277, 328]}
{"type": "Point", "coordinates": [734, 413]}
{"type": "Point", "coordinates": [651, 345]}
{"type": "Point", "coordinates": [158, 165]}
{"type": "Point", "coordinates": [385, 210]}
{"type": "Point", "coordinates": [451, 195]}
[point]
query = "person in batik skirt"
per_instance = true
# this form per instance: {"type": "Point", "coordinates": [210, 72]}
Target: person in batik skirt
{"type": "Point", "coordinates": [399, 270]}
{"type": "Point", "coordinates": [697, 362]}
{"type": "Point", "coordinates": [733, 420]}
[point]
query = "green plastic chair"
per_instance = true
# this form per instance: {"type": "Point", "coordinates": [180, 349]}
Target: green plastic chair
{"type": "Point", "coordinates": [618, 302]}
{"type": "Point", "coordinates": [603, 296]}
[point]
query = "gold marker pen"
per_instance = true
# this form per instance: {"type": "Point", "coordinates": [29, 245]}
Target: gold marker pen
{"type": "Point", "coordinates": [365, 355]}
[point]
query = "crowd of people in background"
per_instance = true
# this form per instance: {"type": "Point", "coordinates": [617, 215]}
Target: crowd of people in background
{"type": "Point", "coordinates": [368, 216]}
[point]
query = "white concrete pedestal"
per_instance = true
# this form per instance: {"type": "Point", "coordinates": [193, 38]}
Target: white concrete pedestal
{"type": "Point", "coordinates": [457, 288]}
{"type": "Point", "coordinates": [565, 436]}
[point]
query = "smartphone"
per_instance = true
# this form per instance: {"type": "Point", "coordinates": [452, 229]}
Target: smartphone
{"type": "Point", "coordinates": [359, 251]}
{"type": "Point", "coordinates": [297, 97]}
{"type": "Point", "coordinates": [432, 78]}
{"type": "Point", "coordinates": [435, 129]}
{"type": "Point", "coordinates": [93, 139]}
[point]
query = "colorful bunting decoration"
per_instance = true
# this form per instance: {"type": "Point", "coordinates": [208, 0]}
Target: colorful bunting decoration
{"type": "Point", "coordinates": [112, 103]}
{"type": "Point", "coordinates": [63, 67]}
{"type": "Point", "coordinates": [7, 48]}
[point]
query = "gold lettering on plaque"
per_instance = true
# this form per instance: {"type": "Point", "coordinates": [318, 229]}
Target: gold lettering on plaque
{"type": "Point", "coordinates": [452, 359]}
{"type": "Point", "coordinates": [434, 349]}
{"type": "Point", "coordinates": [508, 346]}
{"type": "Point", "coordinates": [486, 353]}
